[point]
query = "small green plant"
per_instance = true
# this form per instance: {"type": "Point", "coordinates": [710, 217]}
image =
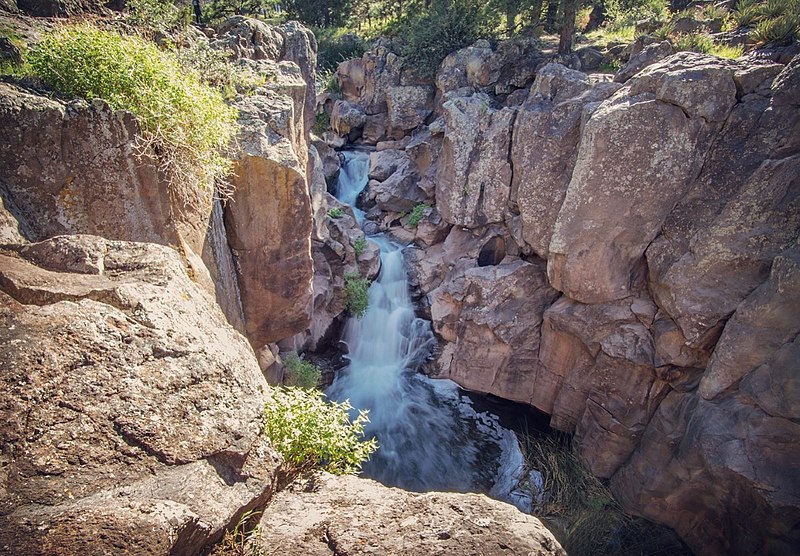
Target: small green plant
{"type": "Point", "coordinates": [416, 214]}
{"type": "Point", "coordinates": [312, 433]}
{"type": "Point", "coordinates": [322, 123]}
{"type": "Point", "coordinates": [725, 51]}
{"type": "Point", "coordinates": [359, 245]}
{"type": "Point", "coordinates": [356, 289]}
{"type": "Point", "coordinates": [301, 373]}
{"type": "Point", "coordinates": [157, 15]}
{"type": "Point", "coordinates": [237, 542]}
{"type": "Point", "coordinates": [693, 42]}
{"type": "Point", "coordinates": [778, 30]}
{"type": "Point", "coordinates": [185, 121]}
{"type": "Point", "coordinates": [335, 212]}
{"type": "Point", "coordinates": [327, 81]}
{"type": "Point", "coordinates": [215, 69]}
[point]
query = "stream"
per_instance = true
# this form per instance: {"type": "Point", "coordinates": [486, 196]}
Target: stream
{"type": "Point", "coordinates": [430, 435]}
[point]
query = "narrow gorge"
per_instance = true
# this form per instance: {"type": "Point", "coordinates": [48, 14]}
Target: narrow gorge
{"type": "Point", "coordinates": [616, 253]}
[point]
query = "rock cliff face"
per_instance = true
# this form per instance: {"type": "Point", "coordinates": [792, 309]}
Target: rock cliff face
{"type": "Point", "coordinates": [622, 256]}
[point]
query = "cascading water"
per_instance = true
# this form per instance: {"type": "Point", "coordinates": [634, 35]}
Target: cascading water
{"type": "Point", "coordinates": [430, 437]}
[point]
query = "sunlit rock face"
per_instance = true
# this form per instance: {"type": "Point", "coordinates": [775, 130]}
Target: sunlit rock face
{"type": "Point", "coordinates": [131, 409]}
{"type": "Point", "coordinates": [666, 211]}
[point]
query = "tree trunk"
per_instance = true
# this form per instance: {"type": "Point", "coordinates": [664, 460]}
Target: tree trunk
{"type": "Point", "coordinates": [569, 8]}
{"type": "Point", "coordinates": [511, 19]}
{"type": "Point", "coordinates": [550, 16]}
{"type": "Point", "coordinates": [597, 17]}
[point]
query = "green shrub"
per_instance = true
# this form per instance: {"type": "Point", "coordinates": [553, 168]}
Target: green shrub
{"type": "Point", "coordinates": [185, 121]}
{"type": "Point", "coordinates": [335, 212]}
{"type": "Point", "coordinates": [447, 26]}
{"type": "Point", "coordinates": [693, 42]}
{"type": "Point", "coordinates": [311, 433]}
{"type": "Point", "coordinates": [157, 15]}
{"type": "Point", "coordinates": [301, 373]}
{"type": "Point", "coordinates": [336, 45]}
{"type": "Point", "coordinates": [215, 68]}
{"type": "Point", "coordinates": [416, 214]}
{"type": "Point", "coordinates": [359, 245]}
{"type": "Point", "coordinates": [779, 30]}
{"type": "Point", "coordinates": [322, 123]}
{"type": "Point", "coordinates": [356, 290]}
{"type": "Point", "coordinates": [327, 82]}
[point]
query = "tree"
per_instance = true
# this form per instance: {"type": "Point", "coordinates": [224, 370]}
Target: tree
{"type": "Point", "coordinates": [568, 8]}
{"type": "Point", "coordinates": [319, 13]}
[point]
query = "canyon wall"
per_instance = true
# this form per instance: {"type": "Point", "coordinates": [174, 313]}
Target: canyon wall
{"type": "Point", "coordinates": [620, 254]}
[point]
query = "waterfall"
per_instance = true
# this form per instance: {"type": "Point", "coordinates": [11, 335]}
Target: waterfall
{"type": "Point", "coordinates": [430, 437]}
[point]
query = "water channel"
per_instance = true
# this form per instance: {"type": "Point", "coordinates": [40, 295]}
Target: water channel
{"type": "Point", "coordinates": [431, 436]}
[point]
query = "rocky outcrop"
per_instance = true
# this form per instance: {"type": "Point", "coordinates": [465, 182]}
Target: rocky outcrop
{"type": "Point", "coordinates": [666, 210]}
{"type": "Point", "coordinates": [131, 409]}
{"type": "Point", "coordinates": [268, 217]}
{"type": "Point", "coordinates": [477, 315]}
{"type": "Point", "coordinates": [346, 515]}
{"type": "Point", "coordinates": [473, 179]}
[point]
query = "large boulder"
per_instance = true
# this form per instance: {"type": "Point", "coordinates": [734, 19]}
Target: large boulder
{"type": "Point", "coordinates": [348, 515]}
{"type": "Point", "coordinates": [661, 125]}
{"type": "Point", "coordinates": [269, 219]}
{"type": "Point", "coordinates": [473, 179]}
{"type": "Point", "coordinates": [747, 161]}
{"type": "Point", "coordinates": [490, 320]}
{"type": "Point", "coordinates": [130, 409]}
{"type": "Point", "coordinates": [408, 106]}
{"type": "Point", "coordinates": [366, 81]}
{"type": "Point", "coordinates": [545, 146]}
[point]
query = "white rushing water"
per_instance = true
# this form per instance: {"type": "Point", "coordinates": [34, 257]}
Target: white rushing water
{"type": "Point", "coordinates": [430, 436]}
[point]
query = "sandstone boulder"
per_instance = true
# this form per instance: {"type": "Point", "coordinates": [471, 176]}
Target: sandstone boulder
{"type": "Point", "coordinates": [349, 515]}
{"type": "Point", "coordinates": [130, 409]}
{"type": "Point", "coordinates": [269, 221]}
{"type": "Point", "coordinates": [473, 179]}
{"type": "Point", "coordinates": [490, 318]}
{"type": "Point", "coordinates": [661, 124]}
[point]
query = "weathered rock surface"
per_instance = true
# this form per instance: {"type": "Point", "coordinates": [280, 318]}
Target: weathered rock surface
{"type": "Point", "coordinates": [348, 515]}
{"type": "Point", "coordinates": [269, 219]}
{"type": "Point", "coordinates": [131, 409]}
{"type": "Point", "coordinates": [473, 180]}
{"type": "Point", "coordinates": [660, 123]}
{"type": "Point", "coordinates": [544, 148]}
{"type": "Point", "coordinates": [490, 319]}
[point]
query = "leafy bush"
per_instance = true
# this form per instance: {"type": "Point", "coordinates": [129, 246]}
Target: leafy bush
{"type": "Point", "coordinates": [322, 123]}
{"type": "Point", "coordinates": [311, 433]}
{"type": "Point", "coordinates": [356, 290]}
{"type": "Point", "coordinates": [416, 214]}
{"type": "Point", "coordinates": [187, 122]}
{"type": "Point", "coordinates": [157, 15]}
{"type": "Point", "coordinates": [215, 68]}
{"type": "Point", "coordinates": [335, 212]}
{"type": "Point", "coordinates": [359, 245]}
{"type": "Point", "coordinates": [301, 373]}
{"type": "Point", "coordinates": [447, 26]}
{"type": "Point", "coordinates": [336, 45]}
